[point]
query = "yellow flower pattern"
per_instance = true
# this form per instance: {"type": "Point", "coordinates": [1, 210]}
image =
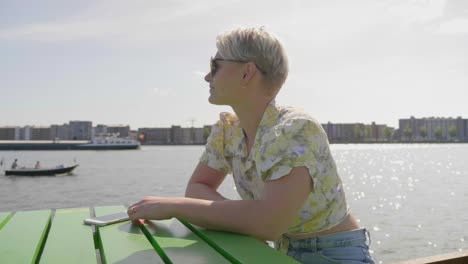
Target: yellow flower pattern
{"type": "Point", "coordinates": [286, 138]}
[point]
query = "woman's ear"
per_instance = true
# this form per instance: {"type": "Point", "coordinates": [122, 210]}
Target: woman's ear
{"type": "Point", "coordinates": [249, 71]}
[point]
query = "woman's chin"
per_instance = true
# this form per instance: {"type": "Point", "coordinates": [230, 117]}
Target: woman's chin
{"type": "Point", "coordinates": [213, 100]}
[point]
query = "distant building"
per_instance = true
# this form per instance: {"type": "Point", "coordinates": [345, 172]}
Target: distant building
{"type": "Point", "coordinates": [342, 132]}
{"type": "Point", "coordinates": [133, 134]}
{"type": "Point", "coordinates": [185, 136]}
{"type": "Point", "coordinates": [9, 133]}
{"type": "Point", "coordinates": [177, 135]}
{"type": "Point", "coordinates": [357, 132]}
{"type": "Point", "coordinates": [120, 130]}
{"type": "Point", "coordinates": [100, 130]}
{"type": "Point", "coordinates": [377, 133]}
{"type": "Point", "coordinates": [154, 136]}
{"type": "Point", "coordinates": [25, 133]}
{"type": "Point", "coordinates": [60, 132]}
{"type": "Point", "coordinates": [174, 135]}
{"type": "Point", "coordinates": [433, 129]}
{"type": "Point", "coordinates": [181, 136]}
{"type": "Point", "coordinates": [80, 130]}
{"type": "Point", "coordinates": [40, 133]}
{"type": "Point", "coordinates": [198, 135]}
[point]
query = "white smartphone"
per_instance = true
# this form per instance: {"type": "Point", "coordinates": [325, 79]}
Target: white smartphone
{"type": "Point", "coordinates": [107, 219]}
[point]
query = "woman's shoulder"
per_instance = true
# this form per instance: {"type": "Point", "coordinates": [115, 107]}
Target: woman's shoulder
{"type": "Point", "coordinates": [294, 129]}
{"type": "Point", "coordinates": [294, 138]}
{"type": "Point", "coordinates": [294, 120]}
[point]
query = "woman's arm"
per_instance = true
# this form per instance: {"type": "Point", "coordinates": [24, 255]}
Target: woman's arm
{"type": "Point", "coordinates": [204, 183]}
{"type": "Point", "coordinates": [265, 219]}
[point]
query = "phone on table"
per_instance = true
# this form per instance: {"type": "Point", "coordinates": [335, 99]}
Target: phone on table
{"type": "Point", "coordinates": [107, 219]}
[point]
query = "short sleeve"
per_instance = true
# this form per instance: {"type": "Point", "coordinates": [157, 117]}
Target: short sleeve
{"type": "Point", "coordinates": [301, 143]}
{"type": "Point", "coordinates": [213, 156]}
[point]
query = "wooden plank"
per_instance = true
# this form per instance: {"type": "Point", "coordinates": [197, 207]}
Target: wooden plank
{"type": "Point", "coordinates": [4, 217]}
{"type": "Point", "coordinates": [240, 249]}
{"type": "Point", "coordinates": [21, 238]}
{"type": "Point", "coordinates": [123, 242]}
{"type": "Point", "coordinates": [69, 240]}
{"type": "Point", "coordinates": [450, 258]}
{"type": "Point", "coordinates": [181, 245]}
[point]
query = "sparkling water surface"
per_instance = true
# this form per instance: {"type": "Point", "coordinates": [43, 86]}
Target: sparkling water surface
{"type": "Point", "coordinates": [412, 198]}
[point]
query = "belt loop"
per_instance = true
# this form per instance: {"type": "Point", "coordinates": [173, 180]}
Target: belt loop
{"type": "Point", "coordinates": [316, 246]}
{"type": "Point", "coordinates": [310, 243]}
{"type": "Point", "coordinates": [368, 237]}
{"type": "Point", "coordinates": [283, 244]}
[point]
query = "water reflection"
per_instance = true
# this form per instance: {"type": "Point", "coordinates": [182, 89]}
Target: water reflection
{"type": "Point", "coordinates": [407, 196]}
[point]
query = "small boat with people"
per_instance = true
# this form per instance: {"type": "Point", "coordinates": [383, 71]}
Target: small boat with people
{"type": "Point", "coordinates": [37, 170]}
{"type": "Point", "coordinates": [24, 171]}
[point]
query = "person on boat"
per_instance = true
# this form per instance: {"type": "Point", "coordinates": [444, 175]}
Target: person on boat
{"type": "Point", "coordinates": [279, 158]}
{"type": "Point", "coordinates": [14, 165]}
{"type": "Point", "coordinates": [38, 165]}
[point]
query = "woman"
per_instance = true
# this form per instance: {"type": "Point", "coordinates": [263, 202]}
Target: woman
{"type": "Point", "coordinates": [279, 158]}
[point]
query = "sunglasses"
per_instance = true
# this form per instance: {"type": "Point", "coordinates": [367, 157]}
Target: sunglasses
{"type": "Point", "coordinates": [214, 66]}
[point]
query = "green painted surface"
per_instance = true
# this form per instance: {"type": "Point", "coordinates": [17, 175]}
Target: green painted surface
{"type": "Point", "coordinates": [21, 237]}
{"type": "Point", "coordinates": [69, 240]}
{"type": "Point", "coordinates": [124, 242]}
{"type": "Point", "coordinates": [4, 217]}
{"type": "Point", "coordinates": [181, 245]}
{"type": "Point", "coordinates": [242, 248]}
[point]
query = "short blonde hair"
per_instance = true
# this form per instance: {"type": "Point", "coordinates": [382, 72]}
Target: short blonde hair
{"type": "Point", "coordinates": [258, 46]}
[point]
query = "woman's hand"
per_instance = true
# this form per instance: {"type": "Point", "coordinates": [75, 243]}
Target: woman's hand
{"type": "Point", "coordinates": [152, 207]}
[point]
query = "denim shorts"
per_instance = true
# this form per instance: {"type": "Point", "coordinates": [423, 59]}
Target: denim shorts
{"type": "Point", "coordinates": [350, 247]}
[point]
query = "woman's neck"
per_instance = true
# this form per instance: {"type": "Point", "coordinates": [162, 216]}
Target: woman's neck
{"type": "Point", "coordinates": [250, 116]}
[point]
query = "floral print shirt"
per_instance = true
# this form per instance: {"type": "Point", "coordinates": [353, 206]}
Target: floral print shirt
{"type": "Point", "coordinates": [285, 138]}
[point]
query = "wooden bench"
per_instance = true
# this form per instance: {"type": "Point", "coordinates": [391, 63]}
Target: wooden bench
{"type": "Point", "coordinates": [59, 236]}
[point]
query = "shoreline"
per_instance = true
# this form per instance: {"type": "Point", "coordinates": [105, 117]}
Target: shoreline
{"type": "Point", "coordinates": [77, 145]}
{"type": "Point", "coordinates": [18, 145]}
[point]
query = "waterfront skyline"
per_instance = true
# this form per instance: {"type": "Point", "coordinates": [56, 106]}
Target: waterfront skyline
{"type": "Point", "coordinates": [427, 130]}
{"type": "Point", "coordinates": [142, 63]}
{"type": "Point", "coordinates": [120, 124]}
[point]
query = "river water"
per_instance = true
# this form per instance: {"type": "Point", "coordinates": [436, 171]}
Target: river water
{"type": "Point", "coordinates": [412, 198]}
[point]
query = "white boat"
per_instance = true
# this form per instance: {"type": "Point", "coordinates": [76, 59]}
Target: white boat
{"type": "Point", "coordinates": [110, 143]}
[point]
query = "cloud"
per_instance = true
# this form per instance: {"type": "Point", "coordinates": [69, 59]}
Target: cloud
{"type": "Point", "coordinates": [160, 92]}
{"type": "Point", "coordinates": [139, 21]}
{"type": "Point", "coordinates": [63, 31]}
{"type": "Point", "coordinates": [419, 10]}
{"type": "Point", "coordinates": [456, 26]}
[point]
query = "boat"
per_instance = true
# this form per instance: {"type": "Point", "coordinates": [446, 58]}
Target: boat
{"type": "Point", "coordinates": [109, 143]}
{"type": "Point", "coordinates": [41, 171]}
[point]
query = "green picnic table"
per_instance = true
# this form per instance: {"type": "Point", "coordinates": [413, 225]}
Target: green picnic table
{"type": "Point", "coordinates": [59, 236]}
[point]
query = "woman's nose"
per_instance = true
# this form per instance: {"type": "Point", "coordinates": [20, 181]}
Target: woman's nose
{"type": "Point", "coordinates": [208, 77]}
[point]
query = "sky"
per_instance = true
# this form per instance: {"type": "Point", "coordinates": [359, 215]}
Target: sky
{"type": "Point", "coordinates": [142, 63]}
